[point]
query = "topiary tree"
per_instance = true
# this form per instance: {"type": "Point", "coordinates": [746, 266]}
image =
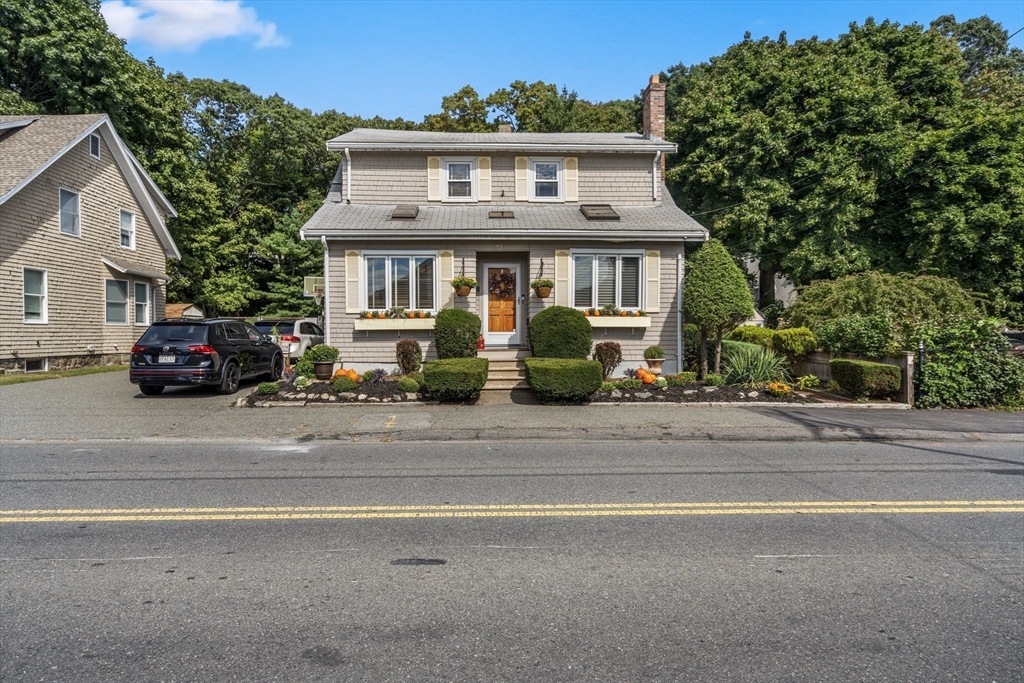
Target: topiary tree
{"type": "Point", "coordinates": [560, 332]}
{"type": "Point", "coordinates": [455, 333]}
{"type": "Point", "coordinates": [409, 355]}
{"type": "Point", "coordinates": [716, 299]}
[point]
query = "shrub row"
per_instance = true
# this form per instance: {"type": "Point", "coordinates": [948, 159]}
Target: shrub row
{"type": "Point", "coordinates": [792, 342]}
{"type": "Point", "coordinates": [563, 380]}
{"type": "Point", "coordinates": [456, 379]}
{"type": "Point", "coordinates": [865, 379]}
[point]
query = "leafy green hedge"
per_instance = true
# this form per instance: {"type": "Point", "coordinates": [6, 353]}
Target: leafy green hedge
{"type": "Point", "coordinates": [752, 334]}
{"type": "Point", "coordinates": [455, 379]}
{"type": "Point", "coordinates": [865, 379]}
{"type": "Point", "coordinates": [730, 347]}
{"type": "Point", "coordinates": [455, 333]}
{"type": "Point", "coordinates": [792, 342]}
{"type": "Point", "coordinates": [560, 332]}
{"type": "Point", "coordinates": [563, 380]}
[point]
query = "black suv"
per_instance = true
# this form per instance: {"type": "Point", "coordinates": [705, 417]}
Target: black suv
{"type": "Point", "coordinates": [214, 352]}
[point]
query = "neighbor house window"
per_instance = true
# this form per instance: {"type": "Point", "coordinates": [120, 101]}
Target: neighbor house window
{"type": "Point", "coordinates": [117, 302]}
{"type": "Point", "coordinates": [459, 177]}
{"type": "Point", "coordinates": [545, 178]}
{"type": "Point", "coordinates": [94, 146]}
{"type": "Point", "coordinates": [602, 279]}
{"type": "Point", "coordinates": [70, 220]}
{"type": "Point", "coordinates": [141, 303]}
{"type": "Point", "coordinates": [404, 280]}
{"type": "Point", "coordinates": [34, 285]}
{"type": "Point", "coordinates": [127, 229]}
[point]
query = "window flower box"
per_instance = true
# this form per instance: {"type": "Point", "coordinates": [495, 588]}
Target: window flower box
{"type": "Point", "coordinates": [620, 321]}
{"type": "Point", "coordinates": [394, 324]}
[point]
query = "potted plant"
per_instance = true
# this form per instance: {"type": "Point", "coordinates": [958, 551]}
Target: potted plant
{"type": "Point", "coordinates": [462, 285]}
{"type": "Point", "coordinates": [542, 288]}
{"type": "Point", "coordinates": [655, 356]}
{"type": "Point", "coordinates": [323, 357]}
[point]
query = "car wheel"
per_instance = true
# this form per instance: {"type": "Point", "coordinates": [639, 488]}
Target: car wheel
{"type": "Point", "coordinates": [151, 389]}
{"type": "Point", "coordinates": [276, 368]}
{"type": "Point", "coordinates": [229, 381]}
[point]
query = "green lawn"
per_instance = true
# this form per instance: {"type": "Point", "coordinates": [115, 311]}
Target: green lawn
{"type": "Point", "coordinates": [20, 377]}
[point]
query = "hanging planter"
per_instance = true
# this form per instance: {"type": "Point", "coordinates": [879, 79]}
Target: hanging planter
{"type": "Point", "coordinates": [463, 285]}
{"type": "Point", "coordinates": [542, 288]}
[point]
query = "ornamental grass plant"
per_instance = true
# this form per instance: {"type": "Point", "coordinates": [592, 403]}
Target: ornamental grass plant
{"type": "Point", "coordinates": [756, 367]}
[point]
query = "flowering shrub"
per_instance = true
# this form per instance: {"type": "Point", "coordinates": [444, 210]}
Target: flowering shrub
{"type": "Point", "coordinates": [779, 389]}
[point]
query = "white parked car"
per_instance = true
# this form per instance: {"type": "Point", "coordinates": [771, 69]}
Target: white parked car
{"type": "Point", "coordinates": [296, 335]}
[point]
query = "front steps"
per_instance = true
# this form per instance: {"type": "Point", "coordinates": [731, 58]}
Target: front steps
{"type": "Point", "coordinates": [505, 369]}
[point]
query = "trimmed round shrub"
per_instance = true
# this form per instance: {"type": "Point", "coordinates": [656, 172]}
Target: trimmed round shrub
{"type": "Point", "coordinates": [345, 384]}
{"type": "Point", "coordinates": [409, 355]}
{"type": "Point", "coordinates": [369, 375]}
{"type": "Point", "coordinates": [794, 342]}
{"type": "Point", "coordinates": [609, 355]}
{"type": "Point", "coordinates": [560, 332]}
{"type": "Point", "coordinates": [654, 353]}
{"type": "Point", "coordinates": [455, 379]}
{"type": "Point", "coordinates": [563, 380]}
{"type": "Point", "coordinates": [408, 384]}
{"type": "Point", "coordinates": [455, 333]}
{"type": "Point", "coordinates": [322, 353]}
{"type": "Point", "coordinates": [752, 334]}
{"type": "Point", "coordinates": [865, 379]}
{"type": "Point", "coordinates": [418, 376]}
{"type": "Point", "coordinates": [267, 388]}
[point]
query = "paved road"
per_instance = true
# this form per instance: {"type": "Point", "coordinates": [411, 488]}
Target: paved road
{"type": "Point", "coordinates": [932, 591]}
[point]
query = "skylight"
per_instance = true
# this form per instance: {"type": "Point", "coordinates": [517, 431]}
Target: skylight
{"type": "Point", "coordinates": [599, 212]}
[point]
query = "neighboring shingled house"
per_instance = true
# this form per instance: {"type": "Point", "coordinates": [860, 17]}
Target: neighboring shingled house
{"type": "Point", "coordinates": [83, 244]}
{"type": "Point", "coordinates": [409, 211]}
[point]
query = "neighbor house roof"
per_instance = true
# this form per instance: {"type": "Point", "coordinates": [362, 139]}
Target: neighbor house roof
{"type": "Point", "coordinates": [547, 221]}
{"type": "Point", "coordinates": [372, 139]}
{"type": "Point", "coordinates": [31, 144]}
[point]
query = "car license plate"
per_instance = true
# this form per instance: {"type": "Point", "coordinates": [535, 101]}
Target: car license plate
{"type": "Point", "coordinates": [165, 358]}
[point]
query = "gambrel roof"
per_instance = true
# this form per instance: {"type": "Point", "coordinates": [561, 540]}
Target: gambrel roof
{"type": "Point", "coordinates": [31, 144]}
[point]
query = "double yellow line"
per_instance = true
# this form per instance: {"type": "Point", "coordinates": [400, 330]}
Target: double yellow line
{"type": "Point", "coordinates": [216, 514]}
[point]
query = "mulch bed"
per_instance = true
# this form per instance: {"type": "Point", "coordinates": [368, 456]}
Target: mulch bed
{"type": "Point", "coordinates": [696, 392]}
{"type": "Point", "coordinates": [323, 392]}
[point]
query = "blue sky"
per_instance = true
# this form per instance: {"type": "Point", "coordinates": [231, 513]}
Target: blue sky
{"type": "Point", "coordinates": [399, 58]}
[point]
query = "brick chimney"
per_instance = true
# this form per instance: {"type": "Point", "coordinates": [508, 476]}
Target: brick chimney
{"type": "Point", "coordinates": [654, 113]}
{"type": "Point", "coordinates": [504, 127]}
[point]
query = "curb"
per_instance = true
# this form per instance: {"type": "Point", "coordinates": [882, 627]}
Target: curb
{"type": "Point", "coordinates": [755, 404]}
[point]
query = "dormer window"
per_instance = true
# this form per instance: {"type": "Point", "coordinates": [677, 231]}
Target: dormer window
{"type": "Point", "coordinates": [545, 180]}
{"type": "Point", "coordinates": [94, 146]}
{"type": "Point", "coordinates": [460, 180]}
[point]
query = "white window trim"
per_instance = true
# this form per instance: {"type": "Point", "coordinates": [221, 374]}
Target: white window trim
{"type": "Point", "coordinates": [46, 298]}
{"type": "Point", "coordinates": [45, 368]}
{"type": "Point", "coordinates": [573, 253]}
{"type": "Point", "coordinates": [128, 301]}
{"type": "Point", "coordinates": [531, 179]}
{"type": "Point", "coordinates": [99, 146]}
{"type": "Point", "coordinates": [131, 239]}
{"type": "Point", "coordinates": [135, 303]}
{"type": "Point", "coordinates": [364, 300]}
{"type": "Point", "coordinates": [473, 179]}
{"type": "Point", "coordinates": [78, 216]}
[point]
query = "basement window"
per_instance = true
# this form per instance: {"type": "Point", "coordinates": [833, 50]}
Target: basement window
{"type": "Point", "coordinates": [35, 365]}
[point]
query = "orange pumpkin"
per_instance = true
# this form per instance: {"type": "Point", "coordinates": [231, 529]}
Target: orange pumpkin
{"type": "Point", "coordinates": [624, 314]}
{"type": "Point", "coordinates": [586, 313]}
{"type": "Point", "coordinates": [648, 378]}
{"type": "Point", "coordinates": [382, 315]}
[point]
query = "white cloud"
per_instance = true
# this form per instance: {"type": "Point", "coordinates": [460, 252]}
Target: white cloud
{"type": "Point", "coordinates": [187, 23]}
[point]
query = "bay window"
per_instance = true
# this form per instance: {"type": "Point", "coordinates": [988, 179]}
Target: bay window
{"type": "Point", "coordinates": [405, 280]}
{"type": "Point", "coordinates": [606, 279]}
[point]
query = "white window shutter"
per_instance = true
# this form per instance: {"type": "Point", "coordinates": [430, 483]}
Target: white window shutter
{"type": "Point", "coordinates": [445, 272]}
{"type": "Point", "coordinates": [572, 179]}
{"type": "Point", "coordinates": [433, 179]}
{"type": "Point", "coordinates": [483, 176]}
{"type": "Point", "coordinates": [522, 182]}
{"type": "Point", "coordinates": [652, 268]}
{"type": "Point", "coordinates": [352, 293]}
{"type": "Point", "coordinates": [562, 264]}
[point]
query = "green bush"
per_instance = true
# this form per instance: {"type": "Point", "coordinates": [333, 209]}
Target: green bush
{"type": "Point", "coordinates": [691, 347]}
{"type": "Point", "coordinates": [607, 386]}
{"type": "Point", "coordinates": [654, 353]}
{"type": "Point", "coordinates": [455, 379]}
{"type": "Point", "coordinates": [455, 333]}
{"type": "Point", "coordinates": [563, 380]}
{"type": "Point", "coordinates": [730, 347]}
{"type": "Point", "coordinates": [560, 332]}
{"type": "Point", "coordinates": [808, 382]}
{"type": "Point", "coordinates": [865, 379]}
{"type": "Point", "coordinates": [794, 342]}
{"type": "Point", "coordinates": [609, 355]}
{"type": "Point", "coordinates": [408, 384]}
{"type": "Point", "coordinates": [418, 376]}
{"type": "Point", "coordinates": [369, 375]}
{"type": "Point", "coordinates": [409, 355]}
{"type": "Point", "coordinates": [869, 336]}
{"type": "Point", "coordinates": [322, 353]}
{"type": "Point", "coordinates": [345, 384]}
{"type": "Point", "coordinates": [681, 379]}
{"type": "Point", "coordinates": [752, 334]}
{"type": "Point", "coordinates": [304, 367]}
{"type": "Point", "coordinates": [756, 367]}
{"type": "Point", "coordinates": [631, 384]}
{"type": "Point", "coordinates": [267, 388]}
{"type": "Point", "coordinates": [714, 380]}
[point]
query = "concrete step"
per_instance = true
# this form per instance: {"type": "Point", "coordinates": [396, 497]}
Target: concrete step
{"type": "Point", "coordinates": [504, 384]}
{"type": "Point", "coordinates": [505, 374]}
{"type": "Point", "coordinates": [503, 354]}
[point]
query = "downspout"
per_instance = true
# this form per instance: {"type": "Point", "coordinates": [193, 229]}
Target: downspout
{"type": "Point", "coordinates": [348, 177]}
{"type": "Point", "coordinates": [654, 175]}
{"type": "Point", "coordinates": [680, 353]}
{"type": "Point", "coordinates": [327, 289]}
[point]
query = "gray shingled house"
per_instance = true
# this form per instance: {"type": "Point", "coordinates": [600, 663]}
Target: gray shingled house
{"type": "Point", "coordinates": [83, 244]}
{"type": "Point", "coordinates": [409, 211]}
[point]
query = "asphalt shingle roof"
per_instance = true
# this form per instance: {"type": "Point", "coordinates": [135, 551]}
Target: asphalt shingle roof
{"type": "Point", "coordinates": [26, 148]}
{"type": "Point", "coordinates": [378, 139]}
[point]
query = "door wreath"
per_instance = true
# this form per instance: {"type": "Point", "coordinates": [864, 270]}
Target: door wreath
{"type": "Point", "coordinates": [502, 284]}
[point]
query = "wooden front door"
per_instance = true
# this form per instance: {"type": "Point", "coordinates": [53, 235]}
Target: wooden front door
{"type": "Point", "coordinates": [501, 304]}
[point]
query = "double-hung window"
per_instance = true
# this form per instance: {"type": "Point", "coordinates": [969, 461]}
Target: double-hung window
{"type": "Point", "coordinates": [545, 180]}
{"type": "Point", "coordinates": [603, 279]}
{"type": "Point", "coordinates": [70, 219]}
{"type": "Point", "coordinates": [34, 285]}
{"type": "Point", "coordinates": [117, 302]}
{"type": "Point", "coordinates": [406, 280]}
{"type": "Point", "coordinates": [127, 229]}
{"type": "Point", "coordinates": [459, 177]}
{"type": "Point", "coordinates": [141, 303]}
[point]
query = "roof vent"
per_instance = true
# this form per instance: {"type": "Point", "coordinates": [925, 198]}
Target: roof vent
{"type": "Point", "coordinates": [405, 212]}
{"type": "Point", "coordinates": [599, 212]}
{"type": "Point", "coordinates": [501, 214]}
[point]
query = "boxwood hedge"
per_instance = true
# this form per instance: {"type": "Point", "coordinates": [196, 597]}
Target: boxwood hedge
{"type": "Point", "coordinates": [455, 379]}
{"type": "Point", "coordinates": [563, 380]}
{"type": "Point", "coordinates": [455, 333]}
{"type": "Point", "coordinates": [560, 332]}
{"type": "Point", "coordinates": [864, 378]}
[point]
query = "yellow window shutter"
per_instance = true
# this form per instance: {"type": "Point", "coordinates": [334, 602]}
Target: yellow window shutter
{"type": "Point", "coordinates": [653, 269]}
{"type": "Point", "coordinates": [483, 175]}
{"type": "Point", "coordinates": [562, 264]}
{"type": "Point", "coordinates": [445, 272]}
{"type": "Point", "coordinates": [572, 179]}
{"type": "Point", "coordinates": [522, 193]}
{"type": "Point", "coordinates": [433, 179]}
{"type": "Point", "coordinates": [352, 299]}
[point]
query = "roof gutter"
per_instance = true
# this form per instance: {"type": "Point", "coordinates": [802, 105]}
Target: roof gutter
{"type": "Point", "coordinates": [650, 146]}
{"type": "Point", "coordinates": [516, 235]}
